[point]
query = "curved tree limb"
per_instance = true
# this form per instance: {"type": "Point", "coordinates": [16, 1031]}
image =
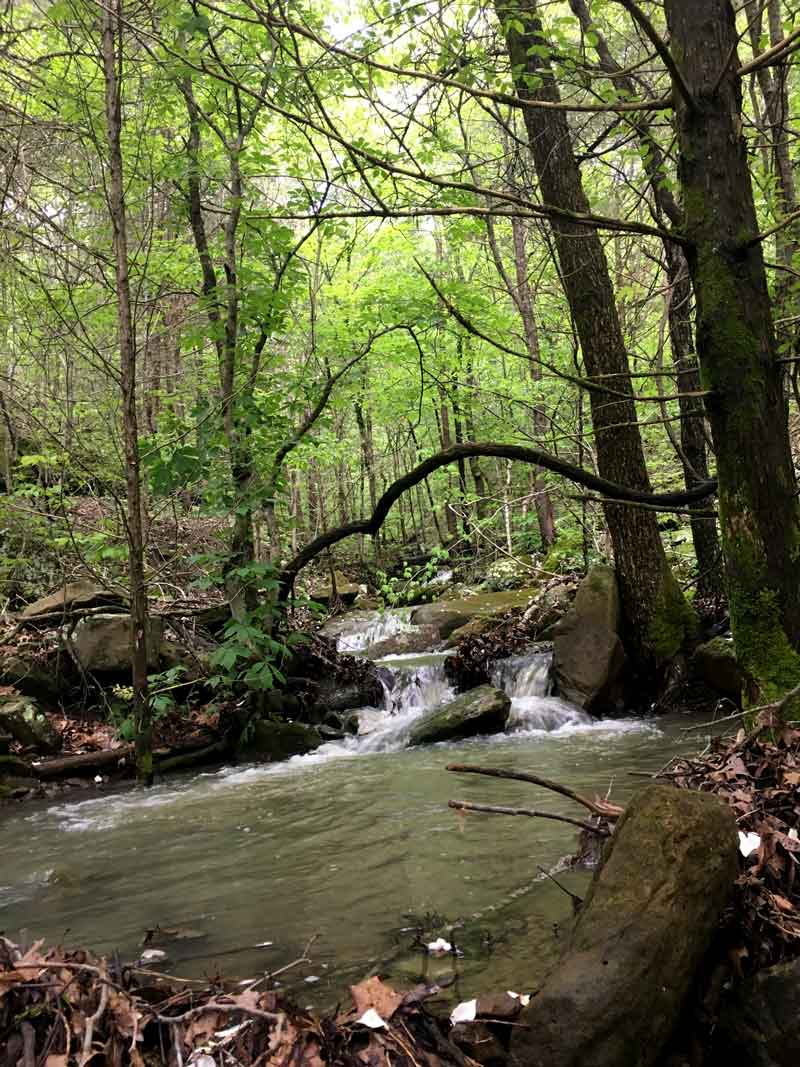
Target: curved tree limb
{"type": "Point", "coordinates": [520, 453]}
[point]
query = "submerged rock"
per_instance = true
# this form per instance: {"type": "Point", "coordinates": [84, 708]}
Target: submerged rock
{"type": "Point", "coordinates": [647, 921]}
{"type": "Point", "coordinates": [588, 656]}
{"type": "Point", "coordinates": [480, 711]}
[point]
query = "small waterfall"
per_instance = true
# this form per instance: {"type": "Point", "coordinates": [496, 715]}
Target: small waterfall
{"type": "Point", "coordinates": [356, 633]}
{"type": "Point", "coordinates": [417, 689]}
{"type": "Point", "coordinates": [526, 679]}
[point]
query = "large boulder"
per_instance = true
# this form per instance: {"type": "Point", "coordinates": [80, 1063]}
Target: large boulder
{"type": "Point", "coordinates": [22, 719]}
{"type": "Point", "coordinates": [715, 664]}
{"type": "Point", "coordinates": [420, 639]}
{"type": "Point", "coordinates": [267, 740]}
{"type": "Point", "coordinates": [480, 711]}
{"type": "Point", "coordinates": [71, 597]}
{"type": "Point", "coordinates": [43, 674]}
{"type": "Point", "coordinates": [346, 591]}
{"type": "Point", "coordinates": [760, 1024]}
{"type": "Point", "coordinates": [588, 656]}
{"type": "Point", "coordinates": [440, 617]}
{"type": "Point", "coordinates": [102, 643]}
{"type": "Point", "coordinates": [642, 931]}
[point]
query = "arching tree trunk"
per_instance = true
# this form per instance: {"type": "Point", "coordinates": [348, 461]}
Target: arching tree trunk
{"type": "Point", "coordinates": [657, 617]}
{"type": "Point", "coordinates": [759, 513]}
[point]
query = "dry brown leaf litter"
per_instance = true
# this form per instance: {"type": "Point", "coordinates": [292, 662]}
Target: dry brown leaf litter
{"type": "Point", "coordinates": [67, 1009]}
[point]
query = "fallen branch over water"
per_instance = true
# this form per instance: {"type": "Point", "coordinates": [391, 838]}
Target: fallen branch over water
{"type": "Point", "coordinates": [602, 808]}
{"type": "Point", "coordinates": [497, 809]}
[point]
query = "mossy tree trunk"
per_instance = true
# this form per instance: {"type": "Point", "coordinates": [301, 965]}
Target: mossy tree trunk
{"type": "Point", "coordinates": [657, 617]}
{"type": "Point", "coordinates": [692, 448]}
{"type": "Point", "coordinates": [759, 512]}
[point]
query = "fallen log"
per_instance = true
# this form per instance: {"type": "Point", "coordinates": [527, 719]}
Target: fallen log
{"type": "Point", "coordinates": [165, 759]}
{"type": "Point", "coordinates": [84, 763]}
{"type": "Point", "coordinates": [648, 919]}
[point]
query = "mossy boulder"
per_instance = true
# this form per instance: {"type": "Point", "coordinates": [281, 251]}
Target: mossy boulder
{"type": "Point", "coordinates": [268, 741]}
{"type": "Point", "coordinates": [588, 656]}
{"type": "Point", "coordinates": [646, 923]}
{"type": "Point", "coordinates": [102, 643]}
{"type": "Point", "coordinates": [441, 618]}
{"type": "Point", "coordinates": [480, 711]}
{"type": "Point", "coordinates": [23, 719]}
{"type": "Point", "coordinates": [715, 664]}
{"type": "Point", "coordinates": [346, 591]}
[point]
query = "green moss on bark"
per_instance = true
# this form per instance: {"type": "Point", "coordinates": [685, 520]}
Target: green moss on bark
{"type": "Point", "coordinates": [762, 647]}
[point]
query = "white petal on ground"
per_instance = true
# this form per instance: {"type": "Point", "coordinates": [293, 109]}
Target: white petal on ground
{"type": "Point", "coordinates": [748, 843]}
{"type": "Point", "coordinates": [523, 998]}
{"type": "Point", "coordinates": [464, 1012]}
{"type": "Point", "coordinates": [439, 945]}
{"type": "Point", "coordinates": [371, 1019]}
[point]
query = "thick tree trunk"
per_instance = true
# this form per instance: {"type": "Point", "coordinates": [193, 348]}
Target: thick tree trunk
{"type": "Point", "coordinates": [693, 442]}
{"type": "Point", "coordinates": [657, 617]}
{"type": "Point", "coordinates": [111, 19]}
{"type": "Point", "coordinates": [759, 513]}
{"type": "Point", "coordinates": [543, 502]}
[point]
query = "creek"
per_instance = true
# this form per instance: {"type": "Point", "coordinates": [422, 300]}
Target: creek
{"type": "Point", "coordinates": [353, 843]}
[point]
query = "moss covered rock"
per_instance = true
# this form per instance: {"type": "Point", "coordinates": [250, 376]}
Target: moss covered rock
{"type": "Point", "coordinates": [269, 741]}
{"type": "Point", "coordinates": [588, 655]}
{"type": "Point", "coordinates": [480, 711]}
{"type": "Point", "coordinates": [22, 719]}
{"type": "Point", "coordinates": [644, 927]}
{"type": "Point", "coordinates": [715, 664]}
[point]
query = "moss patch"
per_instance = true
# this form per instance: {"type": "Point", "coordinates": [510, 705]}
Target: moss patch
{"type": "Point", "coordinates": [762, 646]}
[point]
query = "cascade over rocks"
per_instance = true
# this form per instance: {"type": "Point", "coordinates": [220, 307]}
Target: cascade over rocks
{"type": "Point", "coordinates": [643, 929]}
{"type": "Point", "coordinates": [480, 711]}
{"type": "Point", "coordinates": [588, 652]}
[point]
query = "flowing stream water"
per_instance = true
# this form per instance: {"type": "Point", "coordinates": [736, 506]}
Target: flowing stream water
{"type": "Point", "coordinates": [354, 844]}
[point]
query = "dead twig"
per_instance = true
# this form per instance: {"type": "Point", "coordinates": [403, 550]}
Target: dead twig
{"type": "Point", "coordinates": [497, 809]}
{"type": "Point", "coordinates": [597, 807]}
